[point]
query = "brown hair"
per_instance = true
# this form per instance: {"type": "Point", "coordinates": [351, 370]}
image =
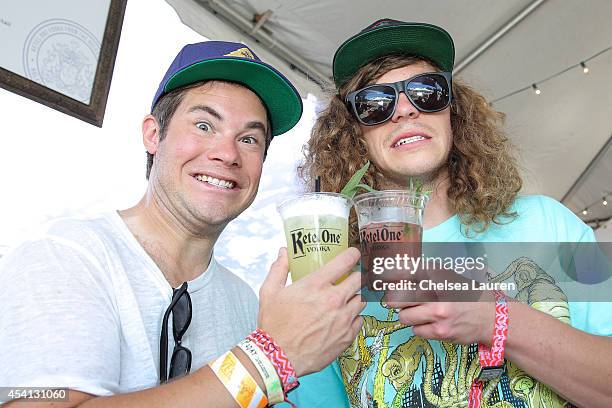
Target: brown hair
{"type": "Point", "coordinates": [483, 171]}
{"type": "Point", "coordinates": [166, 107]}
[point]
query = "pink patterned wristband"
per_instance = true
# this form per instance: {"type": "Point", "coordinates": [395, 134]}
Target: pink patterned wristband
{"type": "Point", "coordinates": [491, 358]}
{"type": "Point", "coordinates": [277, 356]}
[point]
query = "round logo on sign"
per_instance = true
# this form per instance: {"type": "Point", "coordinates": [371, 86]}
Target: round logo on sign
{"type": "Point", "coordinates": [63, 56]}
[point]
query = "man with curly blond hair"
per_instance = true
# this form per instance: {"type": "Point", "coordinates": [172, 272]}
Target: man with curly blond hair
{"type": "Point", "coordinates": [398, 106]}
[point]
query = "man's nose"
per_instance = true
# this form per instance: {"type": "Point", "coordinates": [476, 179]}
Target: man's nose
{"type": "Point", "coordinates": [224, 149]}
{"type": "Point", "coordinates": [404, 108]}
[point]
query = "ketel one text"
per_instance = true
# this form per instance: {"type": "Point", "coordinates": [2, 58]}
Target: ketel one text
{"type": "Point", "coordinates": [306, 241]}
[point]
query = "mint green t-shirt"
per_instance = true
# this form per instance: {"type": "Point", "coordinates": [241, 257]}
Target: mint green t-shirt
{"type": "Point", "coordinates": [389, 366]}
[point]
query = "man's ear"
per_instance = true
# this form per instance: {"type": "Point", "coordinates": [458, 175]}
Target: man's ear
{"type": "Point", "coordinates": [150, 133]}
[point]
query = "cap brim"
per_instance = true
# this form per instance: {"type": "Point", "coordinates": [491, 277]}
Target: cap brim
{"type": "Point", "coordinates": [418, 39]}
{"type": "Point", "coordinates": [280, 98]}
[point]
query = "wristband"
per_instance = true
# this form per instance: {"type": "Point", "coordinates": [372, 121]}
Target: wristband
{"type": "Point", "coordinates": [238, 381]}
{"type": "Point", "coordinates": [274, 389]}
{"type": "Point", "coordinates": [278, 358]}
{"type": "Point", "coordinates": [492, 359]}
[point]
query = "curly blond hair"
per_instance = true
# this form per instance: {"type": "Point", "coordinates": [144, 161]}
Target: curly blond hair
{"type": "Point", "coordinates": [483, 170]}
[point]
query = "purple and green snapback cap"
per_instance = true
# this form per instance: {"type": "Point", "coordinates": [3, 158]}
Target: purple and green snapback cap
{"type": "Point", "coordinates": [235, 62]}
{"type": "Point", "coordinates": [387, 36]}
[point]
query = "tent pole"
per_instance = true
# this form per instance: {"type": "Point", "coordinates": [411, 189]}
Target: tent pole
{"type": "Point", "coordinates": [282, 51]}
{"type": "Point", "coordinates": [260, 20]}
{"type": "Point", "coordinates": [583, 176]}
{"type": "Point", "coordinates": [461, 65]}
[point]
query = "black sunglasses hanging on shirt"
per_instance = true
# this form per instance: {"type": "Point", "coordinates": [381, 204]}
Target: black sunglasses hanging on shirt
{"type": "Point", "coordinates": [180, 362]}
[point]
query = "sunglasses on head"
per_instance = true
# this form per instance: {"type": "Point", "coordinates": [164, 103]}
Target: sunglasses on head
{"type": "Point", "coordinates": [180, 362]}
{"type": "Point", "coordinates": [375, 104]}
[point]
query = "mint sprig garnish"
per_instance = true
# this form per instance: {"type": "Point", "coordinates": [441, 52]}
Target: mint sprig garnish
{"type": "Point", "coordinates": [354, 184]}
{"type": "Point", "coordinates": [419, 188]}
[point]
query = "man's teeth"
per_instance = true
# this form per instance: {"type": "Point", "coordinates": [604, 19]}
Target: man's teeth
{"type": "Point", "coordinates": [408, 140]}
{"type": "Point", "coordinates": [215, 181]}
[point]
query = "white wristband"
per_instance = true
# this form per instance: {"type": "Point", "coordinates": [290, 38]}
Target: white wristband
{"type": "Point", "coordinates": [274, 389]}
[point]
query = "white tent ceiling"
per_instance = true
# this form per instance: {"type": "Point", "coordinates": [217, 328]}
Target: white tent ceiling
{"type": "Point", "coordinates": [564, 134]}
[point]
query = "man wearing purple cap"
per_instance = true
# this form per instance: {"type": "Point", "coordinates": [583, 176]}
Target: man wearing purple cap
{"type": "Point", "coordinates": [398, 107]}
{"type": "Point", "coordinates": [103, 310]}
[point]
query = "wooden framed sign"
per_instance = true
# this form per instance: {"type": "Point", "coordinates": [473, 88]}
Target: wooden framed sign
{"type": "Point", "coordinates": [61, 53]}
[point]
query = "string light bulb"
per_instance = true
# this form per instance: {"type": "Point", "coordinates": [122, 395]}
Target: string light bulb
{"type": "Point", "coordinates": [605, 201]}
{"type": "Point", "coordinates": [534, 86]}
{"type": "Point", "coordinates": [585, 69]}
{"type": "Point", "coordinates": [585, 212]}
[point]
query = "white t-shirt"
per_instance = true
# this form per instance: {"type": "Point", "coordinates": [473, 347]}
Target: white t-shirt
{"type": "Point", "coordinates": [81, 306]}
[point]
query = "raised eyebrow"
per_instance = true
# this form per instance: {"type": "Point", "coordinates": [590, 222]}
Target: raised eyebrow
{"type": "Point", "coordinates": [256, 125]}
{"type": "Point", "coordinates": [206, 109]}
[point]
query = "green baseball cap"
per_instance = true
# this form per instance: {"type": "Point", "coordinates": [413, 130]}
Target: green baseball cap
{"type": "Point", "coordinates": [235, 62]}
{"type": "Point", "coordinates": [386, 36]}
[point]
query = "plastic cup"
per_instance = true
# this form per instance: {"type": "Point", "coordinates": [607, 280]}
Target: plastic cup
{"type": "Point", "coordinates": [390, 231]}
{"type": "Point", "coordinates": [316, 229]}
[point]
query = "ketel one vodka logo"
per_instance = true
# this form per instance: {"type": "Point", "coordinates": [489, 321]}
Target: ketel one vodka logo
{"type": "Point", "coordinates": [383, 234]}
{"type": "Point", "coordinates": [307, 241]}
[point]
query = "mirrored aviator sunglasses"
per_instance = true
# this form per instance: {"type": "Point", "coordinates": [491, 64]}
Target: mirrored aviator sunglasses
{"type": "Point", "coordinates": [375, 104]}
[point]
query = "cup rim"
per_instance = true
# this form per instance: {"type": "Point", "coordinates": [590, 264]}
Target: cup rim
{"type": "Point", "coordinates": [383, 193]}
{"type": "Point", "coordinates": [294, 197]}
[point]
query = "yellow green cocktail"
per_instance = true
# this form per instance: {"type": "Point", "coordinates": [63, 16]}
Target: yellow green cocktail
{"type": "Point", "coordinates": [316, 229]}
